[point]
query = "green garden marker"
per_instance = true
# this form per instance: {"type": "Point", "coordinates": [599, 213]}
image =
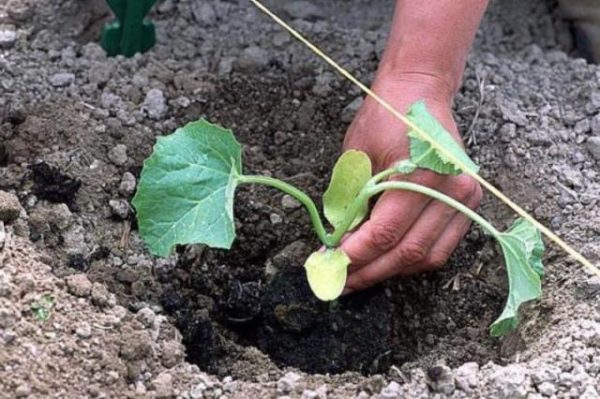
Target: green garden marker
{"type": "Point", "coordinates": [129, 33]}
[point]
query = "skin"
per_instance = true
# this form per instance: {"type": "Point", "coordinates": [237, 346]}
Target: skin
{"type": "Point", "coordinates": [424, 59]}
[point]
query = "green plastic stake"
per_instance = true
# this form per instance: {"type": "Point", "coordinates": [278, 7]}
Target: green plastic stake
{"type": "Point", "coordinates": [129, 33]}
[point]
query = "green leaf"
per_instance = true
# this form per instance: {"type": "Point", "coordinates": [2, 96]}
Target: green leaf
{"type": "Point", "coordinates": [350, 174]}
{"type": "Point", "coordinates": [326, 272]}
{"type": "Point", "coordinates": [523, 249]}
{"type": "Point", "coordinates": [41, 309]}
{"type": "Point", "coordinates": [425, 155]}
{"type": "Point", "coordinates": [186, 190]}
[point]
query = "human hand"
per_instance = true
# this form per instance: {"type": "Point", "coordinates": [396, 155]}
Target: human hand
{"type": "Point", "coordinates": [407, 232]}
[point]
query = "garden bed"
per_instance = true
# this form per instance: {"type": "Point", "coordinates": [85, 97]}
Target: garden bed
{"type": "Point", "coordinates": [76, 126]}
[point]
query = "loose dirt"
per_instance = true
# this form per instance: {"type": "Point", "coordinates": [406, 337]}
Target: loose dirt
{"type": "Point", "coordinates": [86, 311]}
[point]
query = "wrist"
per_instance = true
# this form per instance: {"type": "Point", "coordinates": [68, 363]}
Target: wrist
{"type": "Point", "coordinates": [413, 85]}
{"type": "Point", "coordinates": [440, 79]}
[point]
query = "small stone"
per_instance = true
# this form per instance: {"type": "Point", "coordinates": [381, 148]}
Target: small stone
{"type": "Point", "coordinates": [322, 86]}
{"type": "Point", "coordinates": [546, 373]}
{"type": "Point", "coordinates": [280, 39]}
{"type": "Point", "coordinates": [466, 376]}
{"type": "Point", "coordinates": [280, 137]}
{"type": "Point", "coordinates": [229, 385]}
{"type": "Point", "coordinates": [203, 12]}
{"type": "Point", "coordinates": [60, 215]}
{"type": "Point", "coordinates": [590, 393]}
{"type": "Point", "coordinates": [8, 36]}
{"type": "Point", "coordinates": [79, 285]}
{"type": "Point", "coordinates": [252, 60]}
{"type": "Point", "coordinates": [20, 10]}
{"type": "Point", "coordinates": [172, 353]}
{"type": "Point", "coordinates": [508, 382]}
{"type": "Point", "coordinates": [101, 296]}
{"type": "Point", "coordinates": [595, 125]}
{"type": "Point", "coordinates": [127, 185]}
{"type": "Point", "coordinates": [146, 316]}
{"type": "Point", "coordinates": [99, 73]}
{"type": "Point", "coordinates": [93, 51]}
{"type": "Point", "coordinates": [289, 383]}
{"type": "Point", "coordinates": [582, 127]}
{"type": "Point", "coordinates": [508, 132]}
{"type": "Point", "coordinates": [119, 207]}
{"type": "Point", "coordinates": [197, 391]}
{"type": "Point", "coordinates": [136, 345]}
{"type": "Point", "coordinates": [2, 235]}
{"type": "Point", "coordinates": [10, 207]}
{"type": "Point", "coordinates": [62, 79]}
{"type": "Point", "coordinates": [440, 379]}
{"type": "Point", "coordinates": [350, 110]}
{"type": "Point", "coordinates": [166, 6]}
{"type": "Point", "coordinates": [309, 394]}
{"type": "Point", "coordinates": [118, 155]}
{"type": "Point", "coordinates": [163, 385]}
{"type": "Point", "coordinates": [155, 104]}
{"type": "Point", "coordinates": [512, 113]}
{"type": "Point", "coordinates": [595, 100]}
{"type": "Point", "coordinates": [112, 103]}
{"type": "Point", "coordinates": [83, 330]}
{"type": "Point", "coordinates": [183, 102]}
{"type": "Point", "coordinates": [546, 388]}
{"type": "Point", "coordinates": [275, 218]}
{"type": "Point", "coordinates": [5, 279]}
{"type": "Point", "coordinates": [391, 391]}
{"type": "Point", "coordinates": [593, 146]}
{"type": "Point", "coordinates": [289, 202]}
{"type": "Point", "coordinates": [23, 391]}
{"type": "Point", "coordinates": [303, 10]}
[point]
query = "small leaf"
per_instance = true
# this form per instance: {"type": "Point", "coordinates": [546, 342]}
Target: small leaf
{"type": "Point", "coordinates": [186, 190]}
{"type": "Point", "coordinates": [326, 272]}
{"type": "Point", "coordinates": [41, 309]}
{"type": "Point", "coordinates": [425, 155]}
{"type": "Point", "coordinates": [523, 249]}
{"type": "Point", "coordinates": [350, 174]}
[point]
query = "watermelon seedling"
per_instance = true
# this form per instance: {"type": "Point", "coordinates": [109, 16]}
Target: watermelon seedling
{"type": "Point", "coordinates": [187, 191]}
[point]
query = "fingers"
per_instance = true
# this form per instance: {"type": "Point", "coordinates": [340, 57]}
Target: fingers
{"type": "Point", "coordinates": [447, 243]}
{"type": "Point", "coordinates": [391, 218]}
{"type": "Point", "coordinates": [427, 245]}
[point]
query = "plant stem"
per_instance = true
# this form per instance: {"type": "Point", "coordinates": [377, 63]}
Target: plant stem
{"type": "Point", "coordinates": [384, 174]}
{"type": "Point", "coordinates": [297, 194]}
{"type": "Point", "coordinates": [372, 189]}
{"type": "Point", "coordinates": [468, 212]}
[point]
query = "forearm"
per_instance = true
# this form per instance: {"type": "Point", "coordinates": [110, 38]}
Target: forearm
{"type": "Point", "coordinates": [431, 38]}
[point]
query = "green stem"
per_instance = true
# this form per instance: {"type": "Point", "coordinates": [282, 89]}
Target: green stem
{"type": "Point", "coordinates": [299, 195]}
{"type": "Point", "coordinates": [372, 189]}
{"type": "Point", "coordinates": [384, 174]}
{"type": "Point", "coordinates": [468, 212]}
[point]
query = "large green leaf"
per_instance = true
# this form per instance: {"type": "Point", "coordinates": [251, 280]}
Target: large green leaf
{"type": "Point", "coordinates": [427, 156]}
{"type": "Point", "coordinates": [186, 190]}
{"type": "Point", "coordinates": [326, 272]}
{"type": "Point", "coordinates": [523, 249]}
{"type": "Point", "coordinates": [350, 174]}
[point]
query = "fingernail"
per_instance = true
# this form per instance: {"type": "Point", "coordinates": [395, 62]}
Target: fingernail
{"type": "Point", "coordinates": [347, 291]}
